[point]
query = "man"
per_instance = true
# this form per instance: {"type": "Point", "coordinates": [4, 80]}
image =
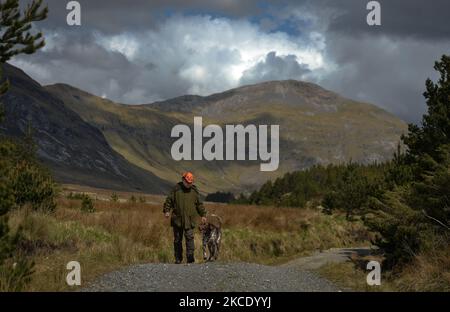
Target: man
{"type": "Point", "coordinates": [184, 202]}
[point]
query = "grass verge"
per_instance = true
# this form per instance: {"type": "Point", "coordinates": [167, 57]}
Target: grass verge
{"type": "Point", "coordinates": [430, 271]}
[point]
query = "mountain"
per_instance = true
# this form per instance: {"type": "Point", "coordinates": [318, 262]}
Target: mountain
{"type": "Point", "coordinates": [317, 126]}
{"type": "Point", "coordinates": [76, 151]}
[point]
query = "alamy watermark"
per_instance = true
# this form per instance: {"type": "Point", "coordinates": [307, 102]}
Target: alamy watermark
{"type": "Point", "coordinates": [73, 278]}
{"type": "Point", "coordinates": [374, 276]}
{"type": "Point", "coordinates": [374, 16]}
{"type": "Point", "coordinates": [74, 16]}
{"type": "Point", "coordinates": [231, 146]}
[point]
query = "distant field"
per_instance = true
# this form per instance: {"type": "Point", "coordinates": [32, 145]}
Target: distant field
{"type": "Point", "coordinates": [123, 233]}
{"type": "Point", "coordinates": [105, 195]}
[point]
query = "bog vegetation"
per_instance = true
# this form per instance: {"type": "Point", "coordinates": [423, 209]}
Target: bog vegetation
{"type": "Point", "coordinates": [120, 233]}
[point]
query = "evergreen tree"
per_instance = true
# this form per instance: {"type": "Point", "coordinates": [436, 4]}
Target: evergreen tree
{"type": "Point", "coordinates": [435, 129]}
{"type": "Point", "coordinates": [16, 38]}
{"type": "Point", "coordinates": [220, 197]}
{"type": "Point", "coordinates": [430, 195]}
{"type": "Point", "coordinates": [414, 215]}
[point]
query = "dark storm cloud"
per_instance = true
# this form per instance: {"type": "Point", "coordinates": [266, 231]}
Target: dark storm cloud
{"type": "Point", "coordinates": [115, 16]}
{"type": "Point", "coordinates": [275, 68]}
{"type": "Point", "coordinates": [385, 72]}
{"type": "Point", "coordinates": [413, 18]}
{"type": "Point", "coordinates": [384, 65]}
{"type": "Point", "coordinates": [421, 19]}
{"type": "Point", "coordinates": [424, 19]}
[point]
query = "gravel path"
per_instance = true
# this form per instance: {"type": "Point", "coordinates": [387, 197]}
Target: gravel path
{"type": "Point", "coordinates": [244, 277]}
{"type": "Point", "coordinates": [333, 255]}
{"type": "Point", "coordinates": [292, 276]}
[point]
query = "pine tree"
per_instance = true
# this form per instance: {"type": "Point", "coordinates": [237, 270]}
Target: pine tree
{"type": "Point", "coordinates": [414, 215]}
{"type": "Point", "coordinates": [430, 195]}
{"type": "Point", "coordinates": [16, 26]}
{"type": "Point", "coordinates": [16, 38]}
{"type": "Point", "coordinates": [435, 128]}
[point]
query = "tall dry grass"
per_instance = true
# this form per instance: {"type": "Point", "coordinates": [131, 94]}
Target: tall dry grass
{"type": "Point", "coordinates": [119, 234]}
{"type": "Point", "coordinates": [429, 271]}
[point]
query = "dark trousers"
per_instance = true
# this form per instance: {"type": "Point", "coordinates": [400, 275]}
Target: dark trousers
{"type": "Point", "coordinates": [178, 243]}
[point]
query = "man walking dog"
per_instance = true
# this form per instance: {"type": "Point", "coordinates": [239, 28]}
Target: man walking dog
{"type": "Point", "coordinates": [185, 204]}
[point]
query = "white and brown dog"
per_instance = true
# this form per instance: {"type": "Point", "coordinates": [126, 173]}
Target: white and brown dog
{"type": "Point", "coordinates": [211, 237]}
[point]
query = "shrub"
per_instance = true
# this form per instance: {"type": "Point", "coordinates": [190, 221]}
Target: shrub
{"type": "Point", "coordinates": [15, 274]}
{"type": "Point", "coordinates": [114, 198]}
{"type": "Point", "coordinates": [6, 201]}
{"type": "Point", "coordinates": [33, 185]}
{"type": "Point", "coordinates": [87, 204]}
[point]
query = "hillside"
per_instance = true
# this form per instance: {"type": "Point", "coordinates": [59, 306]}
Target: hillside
{"type": "Point", "coordinates": [89, 140]}
{"type": "Point", "coordinates": [316, 126]}
{"type": "Point", "coordinates": [75, 150]}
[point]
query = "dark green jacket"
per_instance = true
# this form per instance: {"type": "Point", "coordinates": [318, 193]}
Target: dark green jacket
{"type": "Point", "coordinates": [185, 205]}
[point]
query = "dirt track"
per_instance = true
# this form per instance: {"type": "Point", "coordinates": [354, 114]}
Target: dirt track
{"type": "Point", "coordinates": [292, 276]}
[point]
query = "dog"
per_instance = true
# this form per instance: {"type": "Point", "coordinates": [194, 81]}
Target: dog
{"type": "Point", "coordinates": [211, 237]}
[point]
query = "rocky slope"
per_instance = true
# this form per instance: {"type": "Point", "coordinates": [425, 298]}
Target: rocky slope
{"type": "Point", "coordinates": [75, 150]}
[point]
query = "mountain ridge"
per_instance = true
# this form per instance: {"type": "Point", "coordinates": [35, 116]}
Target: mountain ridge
{"type": "Point", "coordinates": [75, 151]}
{"type": "Point", "coordinates": [317, 126]}
{"type": "Point", "coordinates": [204, 99]}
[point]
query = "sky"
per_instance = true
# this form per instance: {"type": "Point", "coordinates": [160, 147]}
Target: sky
{"type": "Point", "coordinates": [141, 51]}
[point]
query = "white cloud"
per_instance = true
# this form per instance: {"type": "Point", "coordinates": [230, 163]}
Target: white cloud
{"type": "Point", "coordinates": [208, 54]}
{"type": "Point", "coordinates": [183, 55]}
{"type": "Point", "coordinates": [123, 43]}
{"type": "Point", "coordinates": [275, 68]}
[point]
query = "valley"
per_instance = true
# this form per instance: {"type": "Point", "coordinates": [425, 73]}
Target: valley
{"type": "Point", "coordinates": [86, 139]}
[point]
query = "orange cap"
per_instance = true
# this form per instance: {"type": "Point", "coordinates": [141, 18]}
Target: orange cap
{"type": "Point", "coordinates": [189, 177]}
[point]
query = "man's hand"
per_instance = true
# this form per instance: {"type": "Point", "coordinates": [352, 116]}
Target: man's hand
{"type": "Point", "coordinates": [167, 214]}
{"type": "Point", "coordinates": [203, 220]}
